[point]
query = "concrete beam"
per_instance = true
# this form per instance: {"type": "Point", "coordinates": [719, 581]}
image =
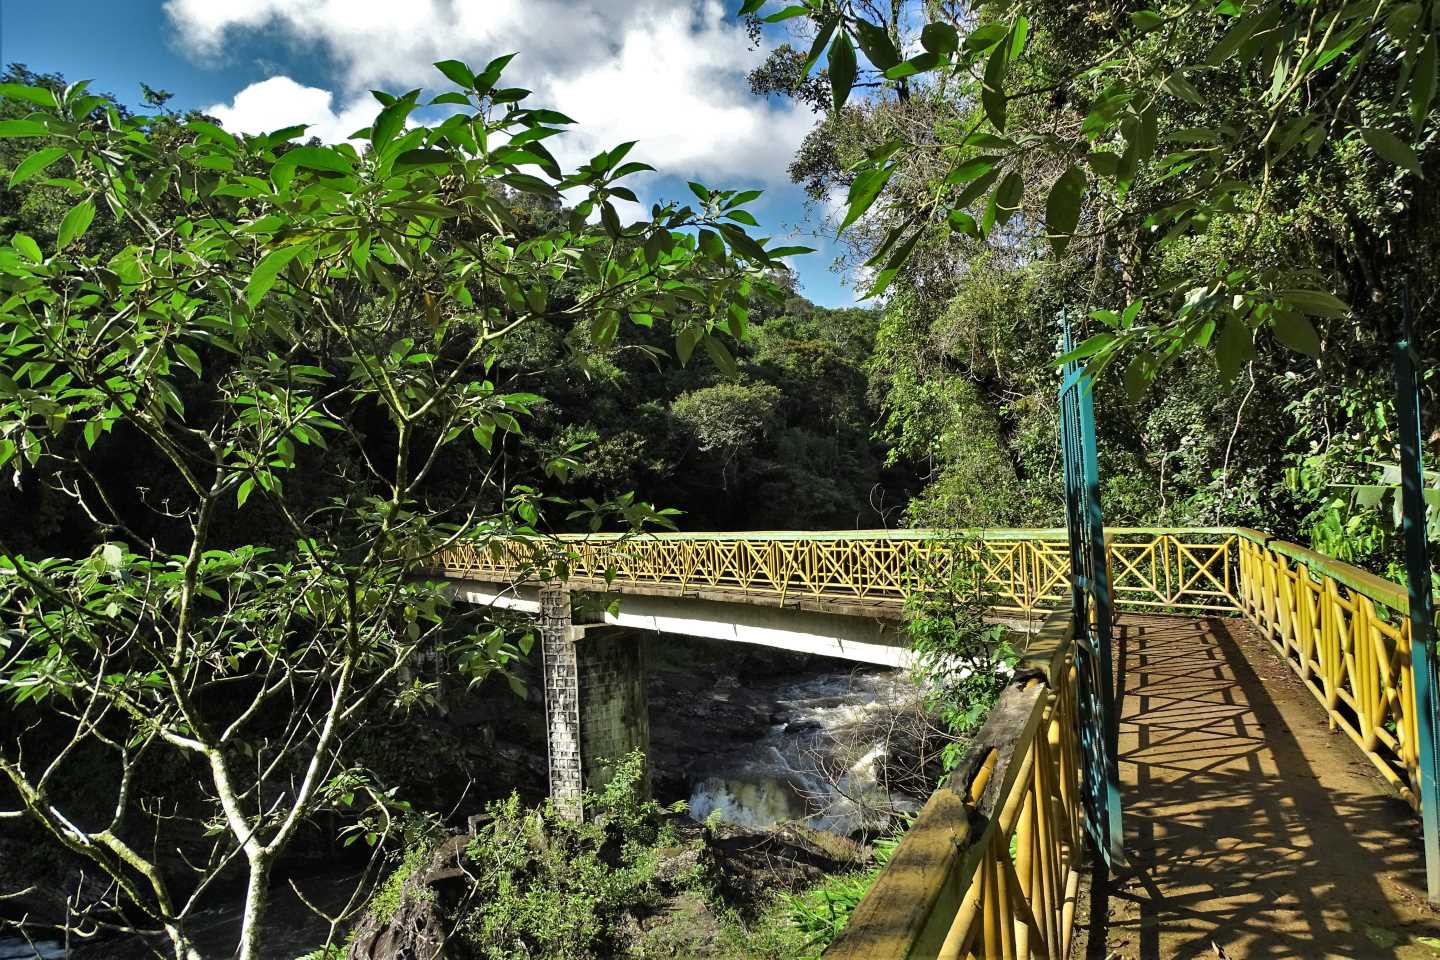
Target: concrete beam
{"type": "Point", "coordinates": [846, 635]}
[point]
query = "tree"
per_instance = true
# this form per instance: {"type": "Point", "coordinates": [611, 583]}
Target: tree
{"type": "Point", "coordinates": [293, 338]}
{"type": "Point", "coordinates": [1136, 132]}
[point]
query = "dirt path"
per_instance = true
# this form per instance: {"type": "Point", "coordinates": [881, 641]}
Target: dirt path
{"type": "Point", "coordinates": [1249, 823]}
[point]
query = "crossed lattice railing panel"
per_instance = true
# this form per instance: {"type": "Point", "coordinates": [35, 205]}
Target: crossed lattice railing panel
{"type": "Point", "coordinates": [1025, 571]}
{"type": "Point", "coordinates": [1346, 634]}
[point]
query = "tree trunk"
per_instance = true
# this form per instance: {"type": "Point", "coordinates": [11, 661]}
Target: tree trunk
{"type": "Point", "coordinates": [257, 898]}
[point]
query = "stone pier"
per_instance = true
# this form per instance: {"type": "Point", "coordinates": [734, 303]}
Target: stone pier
{"type": "Point", "coordinates": [596, 710]}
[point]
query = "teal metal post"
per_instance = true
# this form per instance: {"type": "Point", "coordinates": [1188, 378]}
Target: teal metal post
{"type": "Point", "coordinates": [1422, 601]}
{"type": "Point", "coordinates": [1092, 610]}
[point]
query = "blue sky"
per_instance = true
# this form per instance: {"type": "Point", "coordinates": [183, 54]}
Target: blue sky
{"type": "Point", "coordinates": [669, 73]}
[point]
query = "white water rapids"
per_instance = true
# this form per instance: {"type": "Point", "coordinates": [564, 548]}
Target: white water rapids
{"type": "Point", "coordinates": [819, 765]}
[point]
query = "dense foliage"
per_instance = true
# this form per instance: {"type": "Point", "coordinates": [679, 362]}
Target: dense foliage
{"type": "Point", "coordinates": [1226, 199]}
{"type": "Point", "coordinates": [234, 366]}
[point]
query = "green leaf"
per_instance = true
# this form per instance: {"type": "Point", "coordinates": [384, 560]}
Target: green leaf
{"type": "Point", "coordinates": [415, 158]}
{"type": "Point", "coordinates": [212, 132]}
{"type": "Point", "coordinates": [188, 357]}
{"type": "Point", "coordinates": [27, 247]}
{"type": "Point", "coordinates": [962, 222]}
{"type": "Point", "coordinates": [76, 222]}
{"type": "Point", "coordinates": [390, 122]}
{"type": "Point", "coordinates": [992, 94]}
{"type": "Point", "coordinates": [488, 77]}
{"type": "Point", "coordinates": [712, 246]}
{"type": "Point", "coordinates": [1019, 33]}
{"type": "Point", "coordinates": [973, 192]}
{"type": "Point", "coordinates": [744, 243]}
{"type": "Point", "coordinates": [786, 14]}
{"type": "Point", "coordinates": [457, 72]}
{"type": "Point", "coordinates": [939, 38]}
{"type": "Point", "coordinates": [721, 356]}
{"type": "Point", "coordinates": [315, 158]}
{"type": "Point", "coordinates": [842, 69]}
{"type": "Point", "coordinates": [827, 30]}
{"type": "Point", "coordinates": [1089, 348]}
{"type": "Point", "coordinates": [1234, 347]}
{"type": "Point", "coordinates": [983, 38]}
{"type": "Point", "coordinates": [685, 342]}
{"type": "Point", "coordinates": [1177, 86]}
{"type": "Point", "coordinates": [35, 163]}
{"type": "Point", "coordinates": [23, 128]}
{"type": "Point", "coordinates": [1393, 149]}
{"type": "Point", "coordinates": [1422, 83]}
{"type": "Point", "coordinates": [1318, 303]}
{"type": "Point", "coordinates": [1146, 20]}
{"type": "Point", "coordinates": [41, 96]}
{"type": "Point", "coordinates": [268, 269]}
{"type": "Point", "coordinates": [1139, 373]}
{"type": "Point", "coordinates": [1007, 198]}
{"type": "Point", "coordinates": [892, 267]}
{"type": "Point", "coordinates": [1062, 208]}
{"type": "Point", "coordinates": [876, 42]}
{"type": "Point", "coordinates": [863, 191]}
{"type": "Point", "coordinates": [1297, 332]}
{"type": "Point", "coordinates": [970, 169]}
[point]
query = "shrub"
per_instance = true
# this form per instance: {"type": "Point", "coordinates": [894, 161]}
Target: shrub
{"type": "Point", "coordinates": [961, 662]}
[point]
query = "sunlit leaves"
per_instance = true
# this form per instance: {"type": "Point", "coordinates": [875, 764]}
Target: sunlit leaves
{"type": "Point", "coordinates": [35, 164]}
{"type": "Point", "coordinates": [315, 158]}
{"type": "Point", "coordinates": [457, 72]}
{"type": "Point", "coordinates": [268, 270]}
{"type": "Point", "coordinates": [77, 220]}
{"type": "Point", "coordinates": [27, 247]}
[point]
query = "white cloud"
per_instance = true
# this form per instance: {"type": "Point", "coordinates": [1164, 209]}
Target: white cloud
{"type": "Point", "coordinates": [669, 73]}
{"type": "Point", "coordinates": [281, 102]}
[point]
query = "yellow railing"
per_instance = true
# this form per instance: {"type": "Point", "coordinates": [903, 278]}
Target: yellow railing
{"type": "Point", "coordinates": [1026, 570]}
{"type": "Point", "coordinates": [1346, 633]}
{"type": "Point", "coordinates": [990, 867]}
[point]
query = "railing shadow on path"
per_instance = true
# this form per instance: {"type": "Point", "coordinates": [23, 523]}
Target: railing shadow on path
{"type": "Point", "coordinates": [1250, 825]}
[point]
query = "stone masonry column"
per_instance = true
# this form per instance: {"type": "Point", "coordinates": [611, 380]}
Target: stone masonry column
{"type": "Point", "coordinates": [562, 700]}
{"type": "Point", "coordinates": [596, 707]}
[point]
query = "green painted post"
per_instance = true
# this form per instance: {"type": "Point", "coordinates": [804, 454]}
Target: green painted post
{"type": "Point", "coordinates": [1422, 602]}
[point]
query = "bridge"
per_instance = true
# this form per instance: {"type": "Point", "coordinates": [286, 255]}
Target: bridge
{"type": "Point", "coordinates": [1266, 739]}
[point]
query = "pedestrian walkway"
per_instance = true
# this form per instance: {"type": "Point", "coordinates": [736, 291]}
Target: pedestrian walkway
{"type": "Point", "coordinates": [1253, 830]}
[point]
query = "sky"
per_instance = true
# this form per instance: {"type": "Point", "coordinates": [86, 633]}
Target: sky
{"type": "Point", "coordinates": [667, 73]}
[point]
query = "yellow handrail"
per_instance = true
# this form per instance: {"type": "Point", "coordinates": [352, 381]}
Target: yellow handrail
{"type": "Point", "coordinates": [990, 867]}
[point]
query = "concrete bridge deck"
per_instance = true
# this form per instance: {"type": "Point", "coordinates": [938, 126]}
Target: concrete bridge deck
{"type": "Point", "coordinates": [1251, 826]}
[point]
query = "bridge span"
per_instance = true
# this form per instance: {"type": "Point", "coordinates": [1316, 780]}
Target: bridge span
{"type": "Point", "coordinates": [1235, 836]}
